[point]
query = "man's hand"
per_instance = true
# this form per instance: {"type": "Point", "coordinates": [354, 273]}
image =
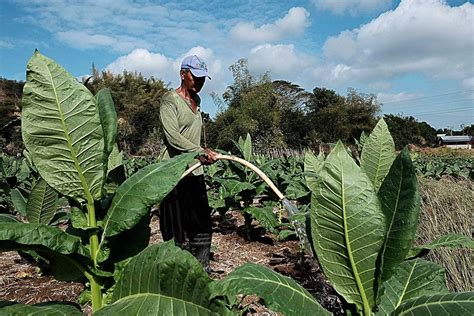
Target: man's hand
{"type": "Point", "coordinates": [209, 157]}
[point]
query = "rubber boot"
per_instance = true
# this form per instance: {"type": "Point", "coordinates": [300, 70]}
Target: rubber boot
{"type": "Point", "coordinates": [200, 247]}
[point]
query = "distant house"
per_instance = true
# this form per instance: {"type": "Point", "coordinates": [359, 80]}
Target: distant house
{"type": "Point", "coordinates": [466, 142]}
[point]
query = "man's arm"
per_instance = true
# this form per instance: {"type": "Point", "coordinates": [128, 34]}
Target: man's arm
{"type": "Point", "coordinates": [169, 121]}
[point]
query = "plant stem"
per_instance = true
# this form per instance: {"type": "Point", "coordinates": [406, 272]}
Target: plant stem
{"type": "Point", "coordinates": [94, 245]}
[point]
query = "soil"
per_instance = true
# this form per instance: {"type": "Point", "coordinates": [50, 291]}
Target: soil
{"type": "Point", "coordinates": [231, 247]}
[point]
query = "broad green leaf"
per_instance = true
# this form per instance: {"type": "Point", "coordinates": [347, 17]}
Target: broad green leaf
{"type": "Point", "coordinates": [347, 228]}
{"type": "Point", "coordinates": [265, 216]}
{"type": "Point", "coordinates": [8, 218]}
{"type": "Point", "coordinates": [65, 257]}
{"type": "Point", "coordinates": [19, 200]}
{"type": "Point", "coordinates": [247, 148]}
{"type": "Point", "coordinates": [280, 293]}
{"type": "Point", "coordinates": [450, 241]}
{"type": "Point", "coordinates": [145, 188]}
{"type": "Point", "coordinates": [234, 187]}
{"type": "Point", "coordinates": [42, 203]}
{"type": "Point", "coordinates": [312, 166]}
{"type": "Point", "coordinates": [378, 154]}
{"type": "Point", "coordinates": [115, 158]}
{"type": "Point", "coordinates": [108, 119]}
{"type": "Point", "coordinates": [145, 304]}
{"type": "Point", "coordinates": [61, 129]}
{"type": "Point", "coordinates": [37, 236]}
{"type": "Point", "coordinates": [412, 279]}
{"type": "Point", "coordinates": [162, 269]}
{"type": "Point", "coordinates": [128, 243]}
{"type": "Point", "coordinates": [169, 272]}
{"type": "Point", "coordinates": [439, 305]}
{"type": "Point", "coordinates": [296, 189]}
{"type": "Point", "coordinates": [46, 309]}
{"type": "Point", "coordinates": [399, 197]}
{"type": "Point", "coordinates": [283, 234]}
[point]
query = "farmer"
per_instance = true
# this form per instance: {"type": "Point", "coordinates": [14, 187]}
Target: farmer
{"type": "Point", "coordinates": [185, 214]}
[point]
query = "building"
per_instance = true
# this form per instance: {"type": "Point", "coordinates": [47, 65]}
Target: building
{"type": "Point", "coordinates": [466, 142]}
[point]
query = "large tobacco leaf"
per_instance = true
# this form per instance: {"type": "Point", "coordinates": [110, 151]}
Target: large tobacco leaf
{"type": "Point", "coordinates": [46, 309]}
{"type": "Point", "coordinates": [66, 258]}
{"type": "Point", "coordinates": [400, 200]}
{"type": "Point", "coordinates": [347, 228]}
{"type": "Point", "coordinates": [171, 276]}
{"type": "Point", "coordinates": [439, 305]}
{"type": "Point", "coordinates": [280, 293]}
{"type": "Point", "coordinates": [378, 154]}
{"type": "Point", "coordinates": [264, 215]}
{"type": "Point", "coordinates": [42, 203]}
{"type": "Point", "coordinates": [39, 235]}
{"type": "Point", "coordinates": [452, 240]}
{"type": "Point", "coordinates": [312, 166]}
{"type": "Point", "coordinates": [61, 129]}
{"type": "Point", "coordinates": [139, 192]}
{"type": "Point", "coordinates": [145, 304]}
{"type": "Point", "coordinates": [108, 119]}
{"type": "Point", "coordinates": [412, 279]}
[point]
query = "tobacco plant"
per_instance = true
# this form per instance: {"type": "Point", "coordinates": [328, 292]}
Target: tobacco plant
{"type": "Point", "coordinates": [363, 222]}
{"type": "Point", "coordinates": [70, 135]}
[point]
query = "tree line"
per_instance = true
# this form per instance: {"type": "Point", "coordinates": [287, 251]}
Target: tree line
{"type": "Point", "coordinates": [278, 114]}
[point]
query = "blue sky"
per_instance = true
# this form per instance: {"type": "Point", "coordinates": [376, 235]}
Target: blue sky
{"type": "Point", "coordinates": [417, 56]}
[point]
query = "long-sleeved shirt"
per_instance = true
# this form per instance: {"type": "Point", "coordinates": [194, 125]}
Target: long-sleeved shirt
{"type": "Point", "coordinates": [181, 126]}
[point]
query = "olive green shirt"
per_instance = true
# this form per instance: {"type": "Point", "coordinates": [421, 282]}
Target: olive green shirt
{"type": "Point", "coordinates": [181, 126]}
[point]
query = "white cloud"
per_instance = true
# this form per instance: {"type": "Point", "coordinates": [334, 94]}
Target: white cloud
{"type": "Point", "coordinates": [166, 68]}
{"type": "Point", "coordinates": [423, 36]}
{"type": "Point", "coordinates": [388, 98]}
{"type": "Point", "coordinates": [281, 61]}
{"type": "Point", "coordinates": [351, 6]}
{"type": "Point", "coordinates": [142, 61]}
{"type": "Point", "coordinates": [293, 23]}
{"type": "Point", "coordinates": [5, 44]}
{"type": "Point", "coordinates": [83, 40]}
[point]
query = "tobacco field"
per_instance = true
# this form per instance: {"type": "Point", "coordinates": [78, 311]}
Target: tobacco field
{"type": "Point", "coordinates": [376, 231]}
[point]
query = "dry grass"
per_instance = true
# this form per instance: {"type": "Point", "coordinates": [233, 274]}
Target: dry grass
{"type": "Point", "coordinates": [447, 208]}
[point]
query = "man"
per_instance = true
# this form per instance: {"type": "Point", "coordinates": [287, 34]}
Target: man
{"type": "Point", "coordinates": [185, 214]}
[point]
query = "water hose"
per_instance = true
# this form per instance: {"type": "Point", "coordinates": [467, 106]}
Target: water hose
{"type": "Point", "coordinates": [245, 163]}
{"type": "Point", "coordinates": [292, 209]}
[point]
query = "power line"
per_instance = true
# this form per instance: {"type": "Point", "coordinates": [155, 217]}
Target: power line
{"type": "Point", "coordinates": [431, 104]}
{"type": "Point", "coordinates": [442, 111]}
{"type": "Point", "coordinates": [427, 97]}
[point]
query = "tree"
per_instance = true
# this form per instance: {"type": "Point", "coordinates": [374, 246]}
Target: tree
{"type": "Point", "coordinates": [336, 117]}
{"type": "Point", "coordinates": [10, 106]}
{"type": "Point", "coordinates": [294, 123]}
{"type": "Point", "coordinates": [407, 130]}
{"type": "Point", "coordinates": [252, 107]}
{"type": "Point", "coordinates": [137, 101]}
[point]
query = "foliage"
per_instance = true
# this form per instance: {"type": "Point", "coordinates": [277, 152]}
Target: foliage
{"type": "Point", "coordinates": [336, 117]}
{"type": "Point", "coordinates": [407, 130]}
{"type": "Point", "coordinates": [437, 167]}
{"type": "Point", "coordinates": [362, 234]}
{"type": "Point", "coordinates": [70, 141]}
{"type": "Point", "coordinates": [251, 108]}
{"type": "Point", "coordinates": [10, 106]}
{"type": "Point", "coordinates": [137, 102]}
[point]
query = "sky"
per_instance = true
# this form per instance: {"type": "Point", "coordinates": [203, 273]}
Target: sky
{"type": "Point", "coordinates": [416, 56]}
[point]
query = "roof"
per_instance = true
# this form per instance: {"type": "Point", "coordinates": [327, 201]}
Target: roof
{"type": "Point", "coordinates": [455, 139]}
